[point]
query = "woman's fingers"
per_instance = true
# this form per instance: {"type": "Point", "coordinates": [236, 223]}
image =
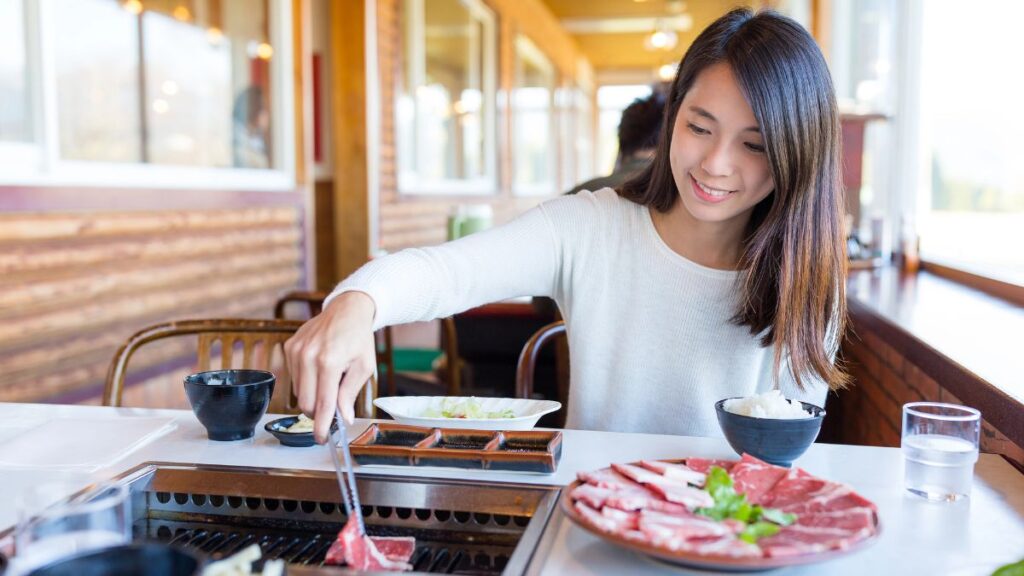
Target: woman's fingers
{"type": "Point", "coordinates": [351, 383]}
{"type": "Point", "coordinates": [326, 348]}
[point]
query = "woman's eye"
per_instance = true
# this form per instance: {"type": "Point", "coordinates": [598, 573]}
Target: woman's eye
{"type": "Point", "coordinates": [697, 129]}
{"type": "Point", "coordinates": [755, 148]}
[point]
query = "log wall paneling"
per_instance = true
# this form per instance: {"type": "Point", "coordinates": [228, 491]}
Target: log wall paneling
{"type": "Point", "coordinates": [74, 286]}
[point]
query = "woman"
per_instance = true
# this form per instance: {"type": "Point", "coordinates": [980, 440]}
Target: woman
{"type": "Point", "coordinates": [717, 272]}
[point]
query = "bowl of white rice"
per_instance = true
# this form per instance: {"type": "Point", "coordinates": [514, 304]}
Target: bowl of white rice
{"type": "Point", "coordinates": [769, 426]}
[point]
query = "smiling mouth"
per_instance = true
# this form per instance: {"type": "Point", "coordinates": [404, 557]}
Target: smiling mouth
{"type": "Point", "coordinates": [709, 193]}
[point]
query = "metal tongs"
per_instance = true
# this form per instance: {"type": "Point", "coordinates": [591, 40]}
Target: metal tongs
{"type": "Point", "coordinates": [346, 478]}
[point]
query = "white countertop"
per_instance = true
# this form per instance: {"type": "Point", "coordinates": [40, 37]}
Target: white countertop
{"type": "Point", "coordinates": [918, 537]}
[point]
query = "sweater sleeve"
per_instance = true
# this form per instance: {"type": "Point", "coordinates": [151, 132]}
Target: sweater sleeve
{"type": "Point", "coordinates": [520, 258]}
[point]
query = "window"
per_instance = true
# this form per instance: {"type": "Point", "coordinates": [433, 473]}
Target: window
{"type": "Point", "coordinates": [14, 109]}
{"type": "Point", "coordinates": [864, 59]}
{"type": "Point", "coordinates": [611, 101]}
{"type": "Point", "coordinates": [971, 204]}
{"type": "Point", "coordinates": [944, 166]}
{"type": "Point", "coordinates": [584, 136]}
{"type": "Point", "coordinates": [445, 106]}
{"type": "Point", "coordinates": [97, 75]}
{"type": "Point", "coordinates": [534, 148]}
{"type": "Point", "coordinates": [130, 93]}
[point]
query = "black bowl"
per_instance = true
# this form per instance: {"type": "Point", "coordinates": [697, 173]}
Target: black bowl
{"type": "Point", "coordinates": [229, 403]}
{"type": "Point", "coordinates": [146, 559]}
{"type": "Point", "coordinates": [295, 439]}
{"type": "Point", "coordinates": [774, 440]}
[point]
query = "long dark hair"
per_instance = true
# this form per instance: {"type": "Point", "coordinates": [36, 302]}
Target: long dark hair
{"type": "Point", "coordinates": [793, 254]}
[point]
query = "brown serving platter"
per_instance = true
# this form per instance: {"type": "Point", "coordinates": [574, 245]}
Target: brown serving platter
{"type": "Point", "coordinates": [402, 445]}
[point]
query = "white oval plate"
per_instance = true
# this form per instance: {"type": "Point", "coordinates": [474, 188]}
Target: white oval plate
{"type": "Point", "coordinates": [409, 410]}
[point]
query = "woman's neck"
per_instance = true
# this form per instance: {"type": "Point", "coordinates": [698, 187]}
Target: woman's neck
{"type": "Point", "coordinates": [716, 245]}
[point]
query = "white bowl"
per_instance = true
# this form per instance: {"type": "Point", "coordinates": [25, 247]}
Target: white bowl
{"type": "Point", "coordinates": [409, 410]}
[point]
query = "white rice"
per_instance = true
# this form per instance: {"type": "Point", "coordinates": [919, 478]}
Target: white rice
{"type": "Point", "coordinates": [771, 404]}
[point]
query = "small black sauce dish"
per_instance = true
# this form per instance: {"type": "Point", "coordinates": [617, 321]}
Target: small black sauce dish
{"type": "Point", "coordinates": [229, 403]}
{"type": "Point", "coordinates": [294, 439]}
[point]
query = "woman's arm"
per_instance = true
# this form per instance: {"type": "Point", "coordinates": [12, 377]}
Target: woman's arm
{"type": "Point", "coordinates": [419, 284]}
{"type": "Point", "coordinates": [332, 356]}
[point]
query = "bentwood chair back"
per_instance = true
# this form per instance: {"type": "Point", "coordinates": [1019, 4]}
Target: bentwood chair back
{"type": "Point", "coordinates": [226, 343]}
{"type": "Point", "coordinates": [528, 361]}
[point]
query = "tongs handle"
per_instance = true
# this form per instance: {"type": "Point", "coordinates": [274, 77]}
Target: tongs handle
{"type": "Point", "coordinates": [346, 478]}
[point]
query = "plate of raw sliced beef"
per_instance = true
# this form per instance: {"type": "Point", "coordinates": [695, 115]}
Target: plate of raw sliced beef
{"type": "Point", "coordinates": [721, 514]}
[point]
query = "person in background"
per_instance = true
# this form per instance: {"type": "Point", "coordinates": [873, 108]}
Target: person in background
{"type": "Point", "coordinates": [717, 272]}
{"type": "Point", "coordinates": [639, 129]}
{"type": "Point", "coordinates": [250, 129]}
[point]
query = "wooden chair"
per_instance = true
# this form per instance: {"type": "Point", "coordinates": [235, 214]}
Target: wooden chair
{"type": "Point", "coordinates": [314, 301]}
{"type": "Point", "coordinates": [528, 358]}
{"type": "Point", "coordinates": [258, 339]}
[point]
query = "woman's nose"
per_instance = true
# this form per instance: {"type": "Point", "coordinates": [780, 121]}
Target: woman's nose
{"type": "Point", "coordinates": [717, 161]}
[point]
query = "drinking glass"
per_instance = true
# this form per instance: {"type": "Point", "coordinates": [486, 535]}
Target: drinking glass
{"type": "Point", "coordinates": [940, 447]}
{"type": "Point", "coordinates": [52, 525]}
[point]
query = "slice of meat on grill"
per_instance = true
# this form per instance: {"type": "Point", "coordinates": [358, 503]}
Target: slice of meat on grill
{"type": "Point", "coordinates": [756, 478]}
{"type": "Point", "coordinates": [702, 465]}
{"type": "Point", "coordinates": [675, 471]}
{"type": "Point", "coordinates": [370, 552]}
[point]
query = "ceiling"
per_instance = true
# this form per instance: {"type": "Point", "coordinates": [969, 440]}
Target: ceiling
{"type": "Point", "coordinates": [611, 33]}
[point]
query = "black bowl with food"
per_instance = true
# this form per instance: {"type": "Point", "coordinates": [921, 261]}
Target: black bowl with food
{"type": "Point", "coordinates": [144, 559]}
{"type": "Point", "coordinates": [777, 441]}
{"type": "Point", "coordinates": [229, 403]}
{"type": "Point", "coordinates": [300, 437]}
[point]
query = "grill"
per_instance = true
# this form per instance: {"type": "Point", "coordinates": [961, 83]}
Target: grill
{"type": "Point", "coordinates": [460, 527]}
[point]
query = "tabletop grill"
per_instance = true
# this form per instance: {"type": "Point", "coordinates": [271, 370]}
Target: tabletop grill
{"type": "Point", "coordinates": [460, 527]}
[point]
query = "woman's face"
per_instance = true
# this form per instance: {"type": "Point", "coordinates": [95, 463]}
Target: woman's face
{"type": "Point", "coordinates": [717, 152]}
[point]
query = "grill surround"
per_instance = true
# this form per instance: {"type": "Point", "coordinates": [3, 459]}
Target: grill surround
{"type": "Point", "coordinates": [462, 527]}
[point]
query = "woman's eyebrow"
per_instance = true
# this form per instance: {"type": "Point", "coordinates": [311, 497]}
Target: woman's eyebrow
{"type": "Point", "coordinates": [705, 114]}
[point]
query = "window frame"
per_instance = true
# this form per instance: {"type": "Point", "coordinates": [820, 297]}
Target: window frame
{"type": "Point", "coordinates": [39, 163]}
{"type": "Point", "coordinates": [409, 181]}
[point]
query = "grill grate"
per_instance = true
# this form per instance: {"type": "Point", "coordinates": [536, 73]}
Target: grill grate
{"type": "Point", "coordinates": [460, 527]}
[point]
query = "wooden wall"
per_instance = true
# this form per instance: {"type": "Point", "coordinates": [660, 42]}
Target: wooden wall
{"type": "Point", "coordinates": [74, 283]}
{"type": "Point", "coordinates": [885, 379]}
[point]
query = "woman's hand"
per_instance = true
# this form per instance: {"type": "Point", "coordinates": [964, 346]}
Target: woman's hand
{"type": "Point", "coordinates": [331, 357]}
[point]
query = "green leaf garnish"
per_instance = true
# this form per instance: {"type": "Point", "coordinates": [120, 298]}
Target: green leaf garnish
{"type": "Point", "coordinates": [758, 530]}
{"type": "Point", "coordinates": [778, 516]}
{"type": "Point", "coordinates": [729, 504]}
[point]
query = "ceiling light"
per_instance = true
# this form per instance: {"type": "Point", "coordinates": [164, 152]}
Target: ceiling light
{"type": "Point", "coordinates": [133, 6]}
{"type": "Point", "coordinates": [181, 13]}
{"type": "Point", "coordinates": [662, 38]}
{"type": "Point", "coordinates": [666, 72]}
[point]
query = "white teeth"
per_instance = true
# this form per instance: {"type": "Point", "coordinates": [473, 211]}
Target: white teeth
{"type": "Point", "coordinates": [711, 191]}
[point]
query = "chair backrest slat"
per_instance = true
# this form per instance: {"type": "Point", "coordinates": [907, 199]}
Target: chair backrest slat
{"type": "Point", "coordinates": [270, 334]}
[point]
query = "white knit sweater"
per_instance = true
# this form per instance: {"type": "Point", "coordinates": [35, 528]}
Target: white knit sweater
{"type": "Point", "coordinates": [651, 345]}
